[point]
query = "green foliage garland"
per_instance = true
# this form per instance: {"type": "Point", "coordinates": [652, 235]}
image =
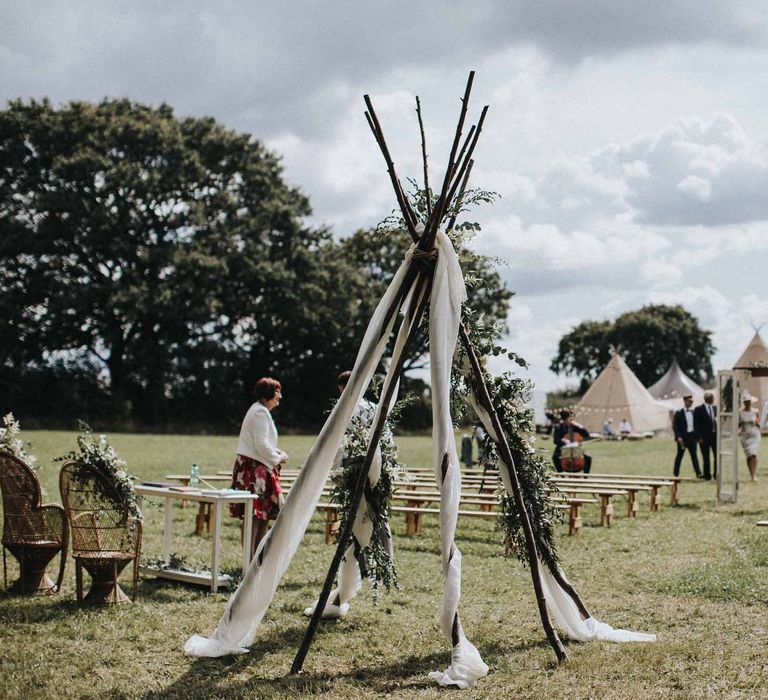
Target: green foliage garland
{"type": "Point", "coordinates": [510, 396]}
{"type": "Point", "coordinates": [100, 455]}
{"type": "Point", "coordinates": [379, 565]}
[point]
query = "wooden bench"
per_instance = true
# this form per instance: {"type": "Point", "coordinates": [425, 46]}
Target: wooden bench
{"type": "Point", "coordinates": [762, 523]}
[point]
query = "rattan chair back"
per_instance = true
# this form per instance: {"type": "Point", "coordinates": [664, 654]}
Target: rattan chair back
{"type": "Point", "coordinates": [99, 518]}
{"type": "Point", "coordinates": [28, 524]}
{"type": "Point", "coordinates": [24, 521]}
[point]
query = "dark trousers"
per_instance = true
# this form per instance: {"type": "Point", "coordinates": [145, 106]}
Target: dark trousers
{"type": "Point", "coordinates": [556, 461]}
{"type": "Point", "coordinates": [689, 443]}
{"type": "Point", "coordinates": [707, 444]}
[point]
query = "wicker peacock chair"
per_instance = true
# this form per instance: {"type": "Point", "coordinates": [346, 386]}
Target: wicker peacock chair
{"type": "Point", "coordinates": [33, 533]}
{"type": "Point", "coordinates": [105, 536]}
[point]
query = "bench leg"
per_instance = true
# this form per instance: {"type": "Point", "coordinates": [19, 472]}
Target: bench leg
{"type": "Point", "coordinates": [409, 527]}
{"type": "Point", "coordinates": [631, 505]}
{"type": "Point", "coordinates": [675, 486]}
{"type": "Point", "coordinates": [574, 519]}
{"type": "Point", "coordinates": [201, 520]}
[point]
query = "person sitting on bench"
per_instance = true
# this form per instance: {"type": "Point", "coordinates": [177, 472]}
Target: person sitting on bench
{"type": "Point", "coordinates": [568, 455]}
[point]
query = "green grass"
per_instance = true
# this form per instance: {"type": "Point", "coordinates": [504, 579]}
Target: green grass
{"type": "Point", "coordinates": [697, 575]}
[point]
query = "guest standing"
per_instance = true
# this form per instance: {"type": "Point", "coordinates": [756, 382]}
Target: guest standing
{"type": "Point", "coordinates": [749, 434]}
{"type": "Point", "coordinates": [705, 427]}
{"type": "Point", "coordinates": [258, 463]}
{"type": "Point", "coordinates": [685, 437]}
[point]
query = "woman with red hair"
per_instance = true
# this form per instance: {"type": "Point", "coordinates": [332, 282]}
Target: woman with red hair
{"type": "Point", "coordinates": [258, 463]}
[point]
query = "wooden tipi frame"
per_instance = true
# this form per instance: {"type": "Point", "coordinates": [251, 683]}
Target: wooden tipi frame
{"type": "Point", "coordinates": [420, 277]}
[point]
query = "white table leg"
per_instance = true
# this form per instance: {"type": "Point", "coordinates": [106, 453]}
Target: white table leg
{"type": "Point", "coordinates": [168, 531]}
{"type": "Point", "coordinates": [247, 533]}
{"type": "Point", "coordinates": [215, 546]}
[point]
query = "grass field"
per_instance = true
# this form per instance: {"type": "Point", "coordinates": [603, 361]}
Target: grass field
{"type": "Point", "coordinates": [697, 575]}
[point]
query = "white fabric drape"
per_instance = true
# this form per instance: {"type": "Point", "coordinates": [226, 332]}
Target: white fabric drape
{"type": "Point", "coordinates": [448, 294]}
{"type": "Point", "coordinates": [560, 604]}
{"type": "Point", "coordinates": [349, 571]}
{"type": "Point", "coordinates": [247, 605]}
{"type": "Point", "coordinates": [567, 617]}
{"type": "Point", "coordinates": [349, 581]}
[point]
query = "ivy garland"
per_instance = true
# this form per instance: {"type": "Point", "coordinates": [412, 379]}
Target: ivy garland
{"type": "Point", "coordinates": [377, 560]}
{"type": "Point", "coordinates": [100, 455]}
{"type": "Point", "coordinates": [510, 396]}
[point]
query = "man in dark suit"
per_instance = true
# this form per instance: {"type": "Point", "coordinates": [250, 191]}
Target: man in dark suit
{"type": "Point", "coordinates": [685, 437]}
{"type": "Point", "coordinates": [705, 427]}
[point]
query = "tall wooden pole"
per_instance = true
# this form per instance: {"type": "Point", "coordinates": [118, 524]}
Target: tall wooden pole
{"type": "Point", "coordinates": [420, 299]}
{"type": "Point", "coordinates": [484, 398]}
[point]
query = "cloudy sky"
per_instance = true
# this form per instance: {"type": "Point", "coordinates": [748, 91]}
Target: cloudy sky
{"type": "Point", "coordinates": [626, 138]}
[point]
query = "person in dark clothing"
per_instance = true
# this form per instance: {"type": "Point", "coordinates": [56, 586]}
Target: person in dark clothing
{"type": "Point", "coordinates": [567, 433]}
{"type": "Point", "coordinates": [705, 427]}
{"type": "Point", "coordinates": [685, 437]}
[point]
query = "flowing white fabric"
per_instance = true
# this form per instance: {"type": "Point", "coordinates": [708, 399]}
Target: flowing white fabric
{"type": "Point", "coordinates": [569, 620]}
{"type": "Point", "coordinates": [349, 571]}
{"type": "Point", "coordinates": [448, 294]}
{"type": "Point", "coordinates": [349, 581]}
{"type": "Point", "coordinates": [559, 602]}
{"type": "Point", "coordinates": [247, 605]}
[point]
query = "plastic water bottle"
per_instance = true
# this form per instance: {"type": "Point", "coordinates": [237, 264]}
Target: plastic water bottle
{"type": "Point", "coordinates": [194, 476]}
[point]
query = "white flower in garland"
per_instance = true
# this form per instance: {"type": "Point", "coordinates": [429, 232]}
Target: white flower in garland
{"type": "Point", "coordinates": [100, 455]}
{"type": "Point", "coordinates": [11, 442]}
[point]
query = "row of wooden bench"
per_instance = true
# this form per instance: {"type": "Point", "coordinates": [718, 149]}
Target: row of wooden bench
{"type": "Point", "coordinates": [479, 497]}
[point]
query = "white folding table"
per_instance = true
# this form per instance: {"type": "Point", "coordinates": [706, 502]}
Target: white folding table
{"type": "Point", "coordinates": [218, 501]}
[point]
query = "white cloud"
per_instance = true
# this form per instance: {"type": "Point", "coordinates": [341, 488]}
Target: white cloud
{"type": "Point", "coordinates": [695, 186]}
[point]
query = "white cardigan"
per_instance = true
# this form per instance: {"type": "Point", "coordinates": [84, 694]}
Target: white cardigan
{"type": "Point", "coordinates": [258, 436]}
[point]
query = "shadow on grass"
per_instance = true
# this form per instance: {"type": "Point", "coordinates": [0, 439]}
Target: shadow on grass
{"type": "Point", "coordinates": [215, 677]}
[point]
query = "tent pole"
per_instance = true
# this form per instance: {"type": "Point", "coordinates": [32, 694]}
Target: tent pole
{"type": "Point", "coordinates": [484, 398]}
{"type": "Point", "coordinates": [423, 285]}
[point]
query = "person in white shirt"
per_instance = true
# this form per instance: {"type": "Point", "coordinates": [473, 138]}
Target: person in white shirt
{"type": "Point", "coordinates": [259, 460]}
{"type": "Point", "coordinates": [625, 428]}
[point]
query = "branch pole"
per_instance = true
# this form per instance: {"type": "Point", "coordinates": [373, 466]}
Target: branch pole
{"type": "Point", "coordinates": [373, 122]}
{"type": "Point", "coordinates": [460, 197]}
{"type": "Point", "coordinates": [423, 285]}
{"type": "Point", "coordinates": [427, 194]}
{"type": "Point", "coordinates": [484, 398]}
{"type": "Point", "coordinates": [440, 206]}
{"type": "Point", "coordinates": [468, 158]}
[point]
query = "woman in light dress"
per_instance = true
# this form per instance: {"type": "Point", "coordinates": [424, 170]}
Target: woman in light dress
{"type": "Point", "coordinates": [749, 434]}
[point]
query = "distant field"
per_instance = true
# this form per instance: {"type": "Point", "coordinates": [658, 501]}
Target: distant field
{"type": "Point", "coordinates": [697, 575]}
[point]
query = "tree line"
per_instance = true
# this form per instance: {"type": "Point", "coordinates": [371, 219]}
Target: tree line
{"type": "Point", "coordinates": [153, 267]}
{"type": "Point", "coordinates": [648, 339]}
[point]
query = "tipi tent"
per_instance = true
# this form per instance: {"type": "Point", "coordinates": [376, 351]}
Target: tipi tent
{"type": "Point", "coordinates": [617, 393]}
{"type": "Point", "coordinates": [755, 355]}
{"type": "Point", "coordinates": [674, 385]}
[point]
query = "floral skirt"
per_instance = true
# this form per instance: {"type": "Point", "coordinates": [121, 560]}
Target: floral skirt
{"type": "Point", "coordinates": [253, 476]}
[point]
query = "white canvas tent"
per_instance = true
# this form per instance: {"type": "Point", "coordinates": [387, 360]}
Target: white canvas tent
{"type": "Point", "coordinates": [617, 393]}
{"type": "Point", "coordinates": [674, 385]}
{"type": "Point", "coordinates": [755, 355]}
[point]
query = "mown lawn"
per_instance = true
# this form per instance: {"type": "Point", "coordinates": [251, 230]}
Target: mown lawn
{"type": "Point", "coordinates": [697, 575]}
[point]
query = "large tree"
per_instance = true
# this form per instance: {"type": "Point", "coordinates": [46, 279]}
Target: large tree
{"type": "Point", "coordinates": [165, 262]}
{"type": "Point", "coordinates": [648, 339]}
{"type": "Point", "coordinates": [163, 248]}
